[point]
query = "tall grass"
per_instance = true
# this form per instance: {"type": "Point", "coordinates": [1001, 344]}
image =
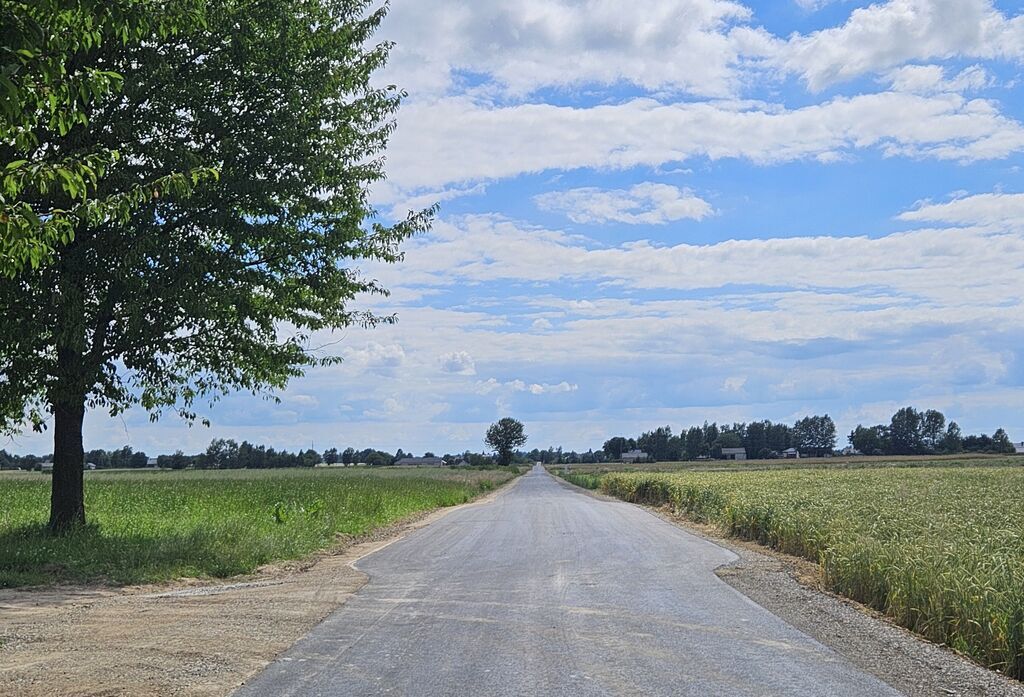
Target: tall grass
{"type": "Point", "coordinates": [941, 551]}
{"type": "Point", "coordinates": [150, 526]}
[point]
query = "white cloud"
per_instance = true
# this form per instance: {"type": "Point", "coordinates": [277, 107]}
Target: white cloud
{"type": "Point", "coordinates": [458, 362]}
{"type": "Point", "coordinates": [374, 355]}
{"type": "Point", "coordinates": [648, 203]}
{"type": "Point", "coordinates": [938, 265]}
{"type": "Point", "coordinates": [541, 325]}
{"type": "Point", "coordinates": [931, 79]}
{"type": "Point", "coordinates": [493, 385]}
{"type": "Point", "coordinates": [455, 140]}
{"type": "Point", "coordinates": [523, 45]}
{"type": "Point", "coordinates": [734, 383]}
{"type": "Point", "coordinates": [888, 34]}
{"type": "Point", "coordinates": [981, 209]}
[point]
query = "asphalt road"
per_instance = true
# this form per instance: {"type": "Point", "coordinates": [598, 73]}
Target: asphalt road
{"type": "Point", "coordinates": [548, 591]}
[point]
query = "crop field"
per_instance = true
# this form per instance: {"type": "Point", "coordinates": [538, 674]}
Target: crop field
{"type": "Point", "coordinates": [152, 526]}
{"type": "Point", "coordinates": [939, 550]}
{"type": "Point", "coordinates": [837, 462]}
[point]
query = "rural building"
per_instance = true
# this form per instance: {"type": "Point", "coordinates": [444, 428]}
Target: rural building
{"type": "Point", "coordinates": [46, 466]}
{"type": "Point", "coordinates": [734, 453]}
{"type": "Point", "coordinates": [635, 456]}
{"type": "Point", "coordinates": [420, 462]}
{"type": "Point", "coordinates": [1019, 448]}
{"type": "Point", "coordinates": [151, 462]}
{"type": "Point", "coordinates": [791, 454]}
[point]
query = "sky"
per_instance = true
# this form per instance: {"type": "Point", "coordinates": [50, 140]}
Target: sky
{"type": "Point", "coordinates": [666, 211]}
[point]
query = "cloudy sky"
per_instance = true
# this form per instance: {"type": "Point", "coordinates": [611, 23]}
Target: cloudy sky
{"type": "Point", "coordinates": [666, 211]}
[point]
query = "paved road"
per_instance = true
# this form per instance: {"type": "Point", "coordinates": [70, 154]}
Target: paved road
{"type": "Point", "coordinates": [547, 591]}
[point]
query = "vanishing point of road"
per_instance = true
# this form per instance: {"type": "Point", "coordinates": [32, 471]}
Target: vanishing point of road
{"type": "Point", "coordinates": [548, 591]}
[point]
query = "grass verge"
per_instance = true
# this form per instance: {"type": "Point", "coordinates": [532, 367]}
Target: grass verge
{"type": "Point", "coordinates": [940, 550]}
{"type": "Point", "coordinates": [155, 526]}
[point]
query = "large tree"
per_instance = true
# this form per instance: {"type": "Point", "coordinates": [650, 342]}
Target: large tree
{"type": "Point", "coordinates": [192, 298]}
{"type": "Point", "coordinates": [51, 74]}
{"type": "Point", "coordinates": [504, 436]}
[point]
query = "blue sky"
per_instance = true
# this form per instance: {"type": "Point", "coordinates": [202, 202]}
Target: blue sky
{"type": "Point", "coordinates": [675, 210]}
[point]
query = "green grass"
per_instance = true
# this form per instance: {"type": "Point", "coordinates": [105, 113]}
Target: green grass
{"type": "Point", "coordinates": [152, 526]}
{"type": "Point", "coordinates": [940, 550]}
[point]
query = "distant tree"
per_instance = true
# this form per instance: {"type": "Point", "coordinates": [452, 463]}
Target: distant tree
{"type": "Point", "coordinates": [429, 454]}
{"type": "Point", "coordinates": [906, 434]}
{"type": "Point", "coordinates": [694, 445]}
{"type": "Point", "coordinates": [780, 437]}
{"type": "Point", "coordinates": [980, 443]}
{"type": "Point", "coordinates": [100, 458]}
{"type": "Point", "coordinates": [953, 441]}
{"type": "Point", "coordinates": [710, 435]}
{"type": "Point", "coordinates": [658, 444]}
{"type": "Point", "coordinates": [726, 439]}
{"type": "Point", "coordinates": [348, 456]}
{"type": "Point", "coordinates": [308, 458]}
{"type": "Point", "coordinates": [504, 436]}
{"type": "Point", "coordinates": [221, 453]}
{"type": "Point", "coordinates": [756, 439]}
{"type": "Point", "coordinates": [1001, 443]}
{"type": "Point", "coordinates": [138, 459]}
{"type": "Point", "coordinates": [815, 435]}
{"type": "Point", "coordinates": [376, 458]}
{"type": "Point", "coordinates": [933, 428]}
{"type": "Point", "coordinates": [614, 447]}
{"type": "Point", "coordinates": [331, 456]}
{"type": "Point", "coordinates": [184, 300]}
{"type": "Point", "coordinates": [870, 440]}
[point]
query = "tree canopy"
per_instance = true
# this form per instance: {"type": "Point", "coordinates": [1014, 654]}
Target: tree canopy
{"type": "Point", "coordinates": [192, 297]}
{"type": "Point", "coordinates": [504, 436]}
{"type": "Point", "coordinates": [51, 74]}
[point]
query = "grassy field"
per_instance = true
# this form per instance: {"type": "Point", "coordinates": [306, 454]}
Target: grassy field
{"type": "Point", "coordinates": [938, 549]}
{"type": "Point", "coordinates": [151, 526]}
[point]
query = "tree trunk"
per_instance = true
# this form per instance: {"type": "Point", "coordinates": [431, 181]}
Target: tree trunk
{"type": "Point", "coordinates": [67, 497]}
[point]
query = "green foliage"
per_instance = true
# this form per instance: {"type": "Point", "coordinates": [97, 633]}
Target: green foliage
{"type": "Point", "coordinates": [53, 71]}
{"type": "Point", "coordinates": [582, 479]}
{"type": "Point", "coordinates": [504, 436]}
{"type": "Point", "coordinates": [937, 549]}
{"type": "Point", "coordinates": [193, 298]}
{"type": "Point", "coordinates": [151, 526]}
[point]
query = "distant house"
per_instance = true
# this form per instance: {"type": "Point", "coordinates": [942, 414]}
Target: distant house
{"type": "Point", "coordinates": [734, 453]}
{"type": "Point", "coordinates": [1019, 448]}
{"type": "Point", "coordinates": [420, 462]}
{"type": "Point", "coordinates": [46, 466]}
{"type": "Point", "coordinates": [90, 465]}
{"type": "Point", "coordinates": [791, 454]}
{"type": "Point", "coordinates": [151, 462]}
{"type": "Point", "coordinates": [635, 456]}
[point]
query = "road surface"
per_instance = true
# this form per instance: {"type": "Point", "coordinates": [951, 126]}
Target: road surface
{"type": "Point", "coordinates": [548, 591]}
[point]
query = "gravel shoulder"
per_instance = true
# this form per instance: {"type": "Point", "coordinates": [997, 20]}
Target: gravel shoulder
{"type": "Point", "coordinates": [188, 638]}
{"type": "Point", "coordinates": [790, 588]}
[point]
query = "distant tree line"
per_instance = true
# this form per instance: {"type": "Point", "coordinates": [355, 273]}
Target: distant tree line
{"type": "Point", "coordinates": [913, 432]}
{"type": "Point", "coordinates": [812, 435]}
